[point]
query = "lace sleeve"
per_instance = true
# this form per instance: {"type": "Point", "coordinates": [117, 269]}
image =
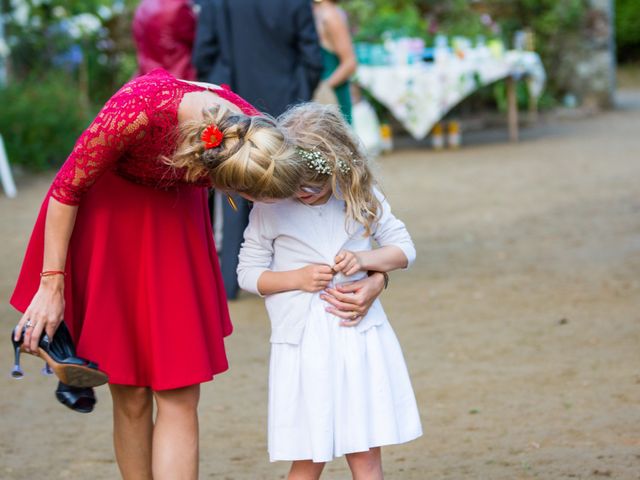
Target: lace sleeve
{"type": "Point", "coordinates": [123, 121]}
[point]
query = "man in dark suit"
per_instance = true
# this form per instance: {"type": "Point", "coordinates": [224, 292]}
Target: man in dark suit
{"type": "Point", "coordinates": [267, 51]}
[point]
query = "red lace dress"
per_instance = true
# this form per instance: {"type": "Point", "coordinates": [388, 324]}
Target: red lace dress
{"type": "Point", "coordinates": [143, 293]}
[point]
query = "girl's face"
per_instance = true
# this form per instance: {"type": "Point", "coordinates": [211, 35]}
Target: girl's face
{"type": "Point", "coordinates": [313, 194]}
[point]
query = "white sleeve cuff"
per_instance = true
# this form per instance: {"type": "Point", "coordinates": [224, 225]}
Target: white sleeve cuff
{"type": "Point", "coordinates": [410, 252]}
{"type": "Point", "coordinates": [248, 279]}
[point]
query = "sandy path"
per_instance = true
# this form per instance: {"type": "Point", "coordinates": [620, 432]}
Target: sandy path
{"type": "Point", "coordinates": [520, 323]}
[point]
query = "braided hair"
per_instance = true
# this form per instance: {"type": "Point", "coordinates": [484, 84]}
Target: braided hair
{"type": "Point", "coordinates": [254, 156]}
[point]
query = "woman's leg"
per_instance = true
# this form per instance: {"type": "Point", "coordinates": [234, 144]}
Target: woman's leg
{"type": "Point", "coordinates": [366, 465]}
{"type": "Point", "coordinates": [175, 435]}
{"type": "Point", "coordinates": [132, 430]}
{"type": "Point", "coordinates": [305, 470]}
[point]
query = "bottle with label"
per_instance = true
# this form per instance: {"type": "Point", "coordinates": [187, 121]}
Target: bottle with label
{"type": "Point", "coordinates": [386, 137]}
{"type": "Point", "coordinates": [454, 137]}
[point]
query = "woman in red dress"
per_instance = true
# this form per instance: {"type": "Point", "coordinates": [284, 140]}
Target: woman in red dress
{"type": "Point", "coordinates": [125, 223]}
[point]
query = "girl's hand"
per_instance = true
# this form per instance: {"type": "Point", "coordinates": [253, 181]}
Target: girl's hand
{"type": "Point", "coordinates": [44, 313]}
{"type": "Point", "coordinates": [348, 263]}
{"type": "Point", "coordinates": [314, 278]}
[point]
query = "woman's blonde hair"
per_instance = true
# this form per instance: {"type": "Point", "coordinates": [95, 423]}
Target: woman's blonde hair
{"type": "Point", "coordinates": [321, 129]}
{"type": "Point", "coordinates": [254, 158]}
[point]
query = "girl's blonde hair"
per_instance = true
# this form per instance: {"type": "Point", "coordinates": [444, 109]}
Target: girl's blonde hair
{"type": "Point", "coordinates": [254, 158]}
{"type": "Point", "coordinates": [321, 129]}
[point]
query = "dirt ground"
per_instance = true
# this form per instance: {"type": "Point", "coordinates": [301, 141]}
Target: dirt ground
{"type": "Point", "coordinates": [520, 322]}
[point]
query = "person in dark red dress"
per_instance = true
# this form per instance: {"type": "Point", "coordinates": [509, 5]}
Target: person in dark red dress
{"type": "Point", "coordinates": [125, 234]}
{"type": "Point", "coordinates": [126, 225]}
{"type": "Point", "coordinates": [164, 33]}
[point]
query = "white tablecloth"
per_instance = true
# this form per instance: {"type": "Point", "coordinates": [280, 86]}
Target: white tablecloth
{"type": "Point", "coordinates": [421, 94]}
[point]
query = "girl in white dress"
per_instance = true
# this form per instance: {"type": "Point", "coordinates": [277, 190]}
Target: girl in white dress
{"type": "Point", "coordinates": [336, 387]}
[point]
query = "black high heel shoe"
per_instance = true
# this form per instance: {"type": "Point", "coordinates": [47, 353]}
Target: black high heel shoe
{"type": "Point", "coordinates": [78, 399]}
{"type": "Point", "coordinates": [60, 355]}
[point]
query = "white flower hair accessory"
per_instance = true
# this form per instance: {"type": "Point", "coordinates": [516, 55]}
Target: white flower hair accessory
{"type": "Point", "coordinates": [317, 161]}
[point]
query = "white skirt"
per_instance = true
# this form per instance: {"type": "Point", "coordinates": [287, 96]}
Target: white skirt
{"type": "Point", "coordinates": [339, 391]}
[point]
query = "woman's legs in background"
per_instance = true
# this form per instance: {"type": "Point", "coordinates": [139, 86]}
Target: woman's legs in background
{"type": "Point", "coordinates": [305, 470]}
{"type": "Point", "coordinates": [132, 430]}
{"type": "Point", "coordinates": [175, 434]}
{"type": "Point", "coordinates": [366, 465]}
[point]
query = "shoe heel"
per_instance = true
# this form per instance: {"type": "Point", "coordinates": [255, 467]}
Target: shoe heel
{"type": "Point", "coordinates": [16, 371]}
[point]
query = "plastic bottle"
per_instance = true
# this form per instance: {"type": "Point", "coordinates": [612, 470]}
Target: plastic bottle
{"type": "Point", "coordinates": [386, 137]}
{"type": "Point", "coordinates": [454, 137]}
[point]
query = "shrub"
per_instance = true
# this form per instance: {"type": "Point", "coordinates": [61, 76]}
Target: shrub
{"type": "Point", "coordinates": [87, 38]}
{"type": "Point", "coordinates": [41, 119]}
{"type": "Point", "coordinates": [628, 30]}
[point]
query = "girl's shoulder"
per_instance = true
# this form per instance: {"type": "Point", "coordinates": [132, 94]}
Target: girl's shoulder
{"type": "Point", "coordinates": [381, 197]}
{"type": "Point", "coordinates": [377, 191]}
{"type": "Point", "coordinates": [272, 211]}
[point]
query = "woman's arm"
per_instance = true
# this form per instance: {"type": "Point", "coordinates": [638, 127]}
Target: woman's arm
{"type": "Point", "coordinates": [46, 310]}
{"type": "Point", "coordinates": [117, 126]}
{"type": "Point", "coordinates": [337, 31]}
{"type": "Point", "coordinates": [121, 122]}
{"type": "Point", "coordinates": [354, 297]}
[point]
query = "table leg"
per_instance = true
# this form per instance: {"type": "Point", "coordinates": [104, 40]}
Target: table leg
{"type": "Point", "coordinates": [512, 112]}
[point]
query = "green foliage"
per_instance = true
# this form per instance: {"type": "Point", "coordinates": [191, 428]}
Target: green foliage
{"type": "Point", "coordinates": [90, 39]}
{"type": "Point", "coordinates": [558, 26]}
{"type": "Point", "coordinates": [373, 18]}
{"type": "Point", "coordinates": [66, 58]}
{"type": "Point", "coordinates": [41, 119]}
{"type": "Point", "coordinates": [628, 30]}
{"type": "Point", "coordinates": [500, 95]}
{"type": "Point", "coordinates": [455, 17]}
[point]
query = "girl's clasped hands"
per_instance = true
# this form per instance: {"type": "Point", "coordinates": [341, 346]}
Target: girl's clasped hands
{"type": "Point", "coordinates": [314, 278]}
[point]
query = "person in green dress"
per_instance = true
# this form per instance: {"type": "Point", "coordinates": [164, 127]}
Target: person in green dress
{"type": "Point", "coordinates": [339, 59]}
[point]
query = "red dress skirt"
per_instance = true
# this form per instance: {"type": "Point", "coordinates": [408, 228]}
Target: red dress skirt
{"type": "Point", "coordinates": [144, 297]}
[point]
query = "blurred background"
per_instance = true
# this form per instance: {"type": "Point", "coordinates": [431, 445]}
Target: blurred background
{"type": "Point", "coordinates": [520, 320]}
{"type": "Point", "coordinates": [68, 57]}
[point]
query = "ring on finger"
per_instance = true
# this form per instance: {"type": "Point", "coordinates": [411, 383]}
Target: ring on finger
{"type": "Point", "coordinates": [354, 315]}
{"type": "Point", "coordinates": [29, 324]}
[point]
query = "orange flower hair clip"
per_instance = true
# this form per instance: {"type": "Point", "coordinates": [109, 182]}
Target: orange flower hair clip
{"type": "Point", "coordinates": [212, 137]}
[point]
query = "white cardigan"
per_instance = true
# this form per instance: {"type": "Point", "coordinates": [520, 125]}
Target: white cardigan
{"type": "Point", "coordinates": [289, 234]}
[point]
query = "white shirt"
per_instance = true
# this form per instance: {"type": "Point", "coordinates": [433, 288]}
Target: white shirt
{"type": "Point", "coordinates": [289, 234]}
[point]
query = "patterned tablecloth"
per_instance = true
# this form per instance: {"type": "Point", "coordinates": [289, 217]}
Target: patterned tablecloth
{"type": "Point", "coordinates": [421, 94]}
